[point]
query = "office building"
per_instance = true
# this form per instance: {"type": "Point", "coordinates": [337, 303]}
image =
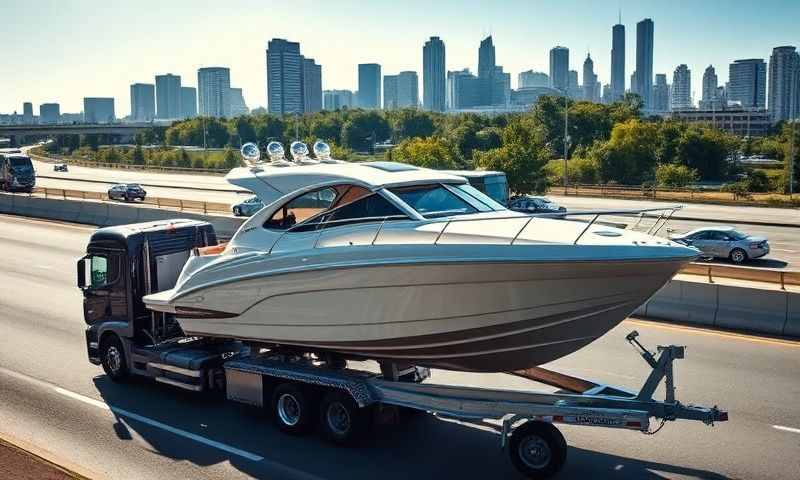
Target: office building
{"type": "Point", "coordinates": [712, 93]}
{"type": "Point", "coordinates": [390, 92]}
{"type": "Point", "coordinates": [143, 102]}
{"type": "Point", "coordinates": [784, 83]}
{"type": "Point", "coordinates": [500, 87]}
{"type": "Point", "coordinates": [336, 99]}
{"type": "Point", "coordinates": [463, 90]}
{"type": "Point", "coordinates": [590, 90]}
{"type": "Point", "coordinates": [661, 94]}
{"type": "Point", "coordinates": [238, 105]}
{"type": "Point", "coordinates": [98, 110]}
{"type": "Point", "coordinates": [168, 96]}
{"type": "Point", "coordinates": [528, 96]}
{"type": "Point", "coordinates": [574, 90]}
{"type": "Point", "coordinates": [401, 90]}
{"type": "Point", "coordinates": [747, 83]}
{"type": "Point", "coordinates": [608, 95]}
{"type": "Point", "coordinates": [559, 68]}
{"type": "Point", "coordinates": [681, 97]}
{"type": "Point", "coordinates": [285, 68]}
{"type": "Point", "coordinates": [530, 79]}
{"type": "Point", "coordinates": [433, 75]}
{"type": "Point", "coordinates": [49, 113]}
{"type": "Point", "coordinates": [736, 120]}
{"type": "Point", "coordinates": [188, 102]}
{"type": "Point", "coordinates": [213, 90]}
{"type": "Point", "coordinates": [27, 113]}
{"type": "Point", "coordinates": [369, 85]}
{"type": "Point", "coordinates": [644, 61]}
{"type": "Point", "coordinates": [617, 62]}
{"type": "Point", "coordinates": [312, 86]}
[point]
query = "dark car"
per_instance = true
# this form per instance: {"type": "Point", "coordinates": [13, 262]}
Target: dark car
{"type": "Point", "coordinates": [60, 167]}
{"type": "Point", "coordinates": [248, 207]}
{"type": "Point", "coordinates": [532, 204]}
{"type": "Point", "coordinates": [126, 192]}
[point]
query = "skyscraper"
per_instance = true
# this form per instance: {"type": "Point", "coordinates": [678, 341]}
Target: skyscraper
{"type": "Point", "coordinates": [168, 96]}
{"type": "Point", "coordinates": [49, 113]}
{"type": "Point", "coordinates": [681, 98]}
{"type": "Point", "coordinates": [284, 77]}
{"type": "Point", "coordinates": [369, 85]}
{"type": "Point", "coordinates": [214, 85]}
{"type": "Point", "coordinates": [27, 113]}
{"type": "Point", "coordinates": [617, 61]}
{"type": "Point", "coordinates": [710, 83]}
{"type": "Point", "coordinates": [607, 97]}
{"type": "Point", "coordinates": [661, 93]}
{"type": "Point", "coordinates": [238, 105]}
{"type": "Point", "coordinates": [98, 110]}
{"type": "Point", "coordinates": [312, 86]}
{"type": "Point", "coordinates": [644, 61]}
{"type": "Point", "coordinates": [390, 92]}
{"type": "Point", "coordinates": [336, 99]}
{"type": "Point", "coordinates": [188, 102]}
{"type": "Point", "coordinates": [433, 75]}
{"type": "Point", "coordinates": [574, 89]}
{"type": "Point", "coordinates": [491, 94]}
{"type": "Point", "coordinates": [784, 83]}
{"type": "Point", "coordinates": [463, 90]}
{"type": "Point", "coordinates": [590, 92]}
{"type": "Point", "coordinates": [747, 83]}
{"type": "Point", "coordinates": [530, 78]}
{"type": "Point", "coordinates": [143, 103]}
{"type": "Point", "coordinates": [559, 68]}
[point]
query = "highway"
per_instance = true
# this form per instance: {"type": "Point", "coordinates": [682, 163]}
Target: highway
{"type": "Point", "coordinates": [52, 397]}
{"type": "Point", "coordinates": [784, 240]}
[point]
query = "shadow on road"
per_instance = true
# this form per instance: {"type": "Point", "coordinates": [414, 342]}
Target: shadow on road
{"type": "Point", "coordinates": [771, 263]}
{"type": "Point", "coordinates": [421, 447]}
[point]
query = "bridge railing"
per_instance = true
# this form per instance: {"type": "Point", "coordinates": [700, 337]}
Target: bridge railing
{"type": "Point", "coordinates": [158, 202]}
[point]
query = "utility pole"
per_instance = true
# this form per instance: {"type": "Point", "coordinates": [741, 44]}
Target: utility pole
{"type": "Point", "coordinates": [566, 139]}
{"type": "Point", "coordinates": [205, 147]}
{"type": "Point", "coordinates": [791, 158]}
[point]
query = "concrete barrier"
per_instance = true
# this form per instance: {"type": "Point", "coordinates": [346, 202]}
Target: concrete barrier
{"type": "Point", "coordinates": [752, 309]}
{"type": "Point", "coordinates": [685, 302]}
{"type": "Point", "coordinates": [792, 326]}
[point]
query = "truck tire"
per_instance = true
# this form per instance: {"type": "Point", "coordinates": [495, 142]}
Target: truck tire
{"type": "Point", "coordinates": [341, 420]}
{"type": "Point", "coordinates": [537, 449]}
{"type": "Point", "coordinates": [112, 357]}
{"type": "Point", "coordinates": [294, 408]}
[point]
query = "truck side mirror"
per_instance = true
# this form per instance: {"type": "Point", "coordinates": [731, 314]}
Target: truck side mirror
{"type": "Point", "coordinates": [82, 272]}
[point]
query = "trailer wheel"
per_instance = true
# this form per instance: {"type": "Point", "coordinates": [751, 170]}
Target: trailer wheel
{"type": "Point", "coordinates": [537, 449]}
{"type": "Point", "coordinates": [112, 357]}
{"type": "Point", "coordinates": [342, 421]}
{"type": "Point", "coordinates": [293, 408]}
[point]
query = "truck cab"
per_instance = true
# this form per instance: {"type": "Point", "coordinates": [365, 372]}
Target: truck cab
{"type": "Point", "coordinates": [16, 172]}
{"type": "Point", "coordinates": [122, 264]}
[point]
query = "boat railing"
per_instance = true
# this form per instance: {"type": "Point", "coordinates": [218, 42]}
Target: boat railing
{"type": "Point", "coordinates": [665, 213]}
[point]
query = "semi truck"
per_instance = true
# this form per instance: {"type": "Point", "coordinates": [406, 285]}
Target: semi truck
{"type": "Point", "coordinates": [305, 391]}
{"type": "Point", "coordinates": [16, 172]}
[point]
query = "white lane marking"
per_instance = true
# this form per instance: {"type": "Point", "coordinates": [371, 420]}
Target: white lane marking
{"type": "Point", "coordinates": [786, 429]}
{"type": "Point", "coordinates": [162, 426]}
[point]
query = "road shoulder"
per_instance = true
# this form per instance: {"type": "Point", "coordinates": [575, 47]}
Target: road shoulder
{"type": "Point", "coordinates": [22, 461]}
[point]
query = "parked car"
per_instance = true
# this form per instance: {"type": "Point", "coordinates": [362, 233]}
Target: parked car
{"type": "Point", "coordinates": [126, 192]}
{"type": "Point", "coordinates": [248, 207]}
{"type": "Point", "coordinates": [60, 167]}
{"type": "Point", "coordinates": [532, 204]}
{"type": "Point", "coordinates": [725, 242]}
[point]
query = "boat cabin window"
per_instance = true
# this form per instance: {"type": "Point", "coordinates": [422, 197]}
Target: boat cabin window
{"type": "Point", "coordinates": [372, 208]}
{"type": "Point", "coordinates": [302, 208]}
{"type": "Point", "coordinates": [433, 201]}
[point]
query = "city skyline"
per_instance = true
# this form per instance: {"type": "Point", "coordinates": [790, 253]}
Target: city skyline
{"type": "Point", "coordinates": [520, 46]}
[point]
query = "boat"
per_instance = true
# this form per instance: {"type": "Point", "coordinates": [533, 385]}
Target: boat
{"type": "Point", "coordinates": [396, 263]}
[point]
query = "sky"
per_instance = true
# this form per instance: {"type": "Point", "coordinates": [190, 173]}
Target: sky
{"type": "Point", "coordinates": [64, 50]}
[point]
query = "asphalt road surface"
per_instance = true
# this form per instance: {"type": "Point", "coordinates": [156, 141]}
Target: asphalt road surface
{"type": "Point", "coordinates": [52, 397]}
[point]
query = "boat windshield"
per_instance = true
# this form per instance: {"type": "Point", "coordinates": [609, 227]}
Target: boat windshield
{"type": "Point", "coordinates": [433, 201]}
{"type": "Point", "coordinates": [480, 197]}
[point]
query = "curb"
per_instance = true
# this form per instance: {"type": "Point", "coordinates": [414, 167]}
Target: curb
{"type": "Point", "coordinates": [41, 455]}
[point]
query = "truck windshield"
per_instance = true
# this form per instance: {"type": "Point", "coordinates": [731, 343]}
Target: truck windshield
{"type": "Point", "coordinates": [99, 271]}
{"type": "Point", "coordinates": [21, 165]}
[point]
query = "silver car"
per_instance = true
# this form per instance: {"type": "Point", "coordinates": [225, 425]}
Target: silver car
{"type": "Point", "coordinates": [725, 242]}
{"type": "Point", "coordinates": [248, 207]}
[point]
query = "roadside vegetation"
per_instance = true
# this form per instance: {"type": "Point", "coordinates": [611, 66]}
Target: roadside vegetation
{"type": "Point", "coordinates": [609, 145]}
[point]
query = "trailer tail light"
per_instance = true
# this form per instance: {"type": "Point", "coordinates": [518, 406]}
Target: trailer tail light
{"type": "Point", "coordinates": [212, 250]}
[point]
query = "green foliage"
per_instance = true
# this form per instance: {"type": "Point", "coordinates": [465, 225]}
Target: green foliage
{"type": "Point", "coordinates": [522, 156]}
{"type": "Point", "coordinates": [758, 181]}
{"type": "Point", "coordinates": [410, 123]}
{"type": "Point", "coordinates": [674, 175]}
{"type": "Point", "coordinates": [431, 152]}
{"type": "Point", "coordinates": [137, 158]}
{"type": "Point", "coordinates": [364, 128]}
{"type": "Point", "coordinates": [583, 170]}
{"type": "Point", "coordinates": [230, 159]}
{"type": "Point", "coordinates": [628, 157]}
{"type": "Point", "coordinates": [738, 189]}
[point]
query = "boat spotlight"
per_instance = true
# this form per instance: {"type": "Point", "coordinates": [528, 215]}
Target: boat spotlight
{"type": "Point", "coordinates": [323, 152]}
{"type": "Point", "coordinates": [300, 153]}
{"type": "Point", "coordinates": [250, 154]}
{"type": "Point", "coordinates": [275, 152]}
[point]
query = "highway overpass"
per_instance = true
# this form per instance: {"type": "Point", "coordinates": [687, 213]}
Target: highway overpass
{"type": "Point", "coordinates": [16, 132]}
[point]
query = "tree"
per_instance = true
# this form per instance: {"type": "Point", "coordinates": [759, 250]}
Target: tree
{"type": "Point", "coordinates": [628, 157]}
{"type": "Point", "coordinates": [183, 160]}
{"type": "Point", "coordinates": [672, 175]}
{"type": "Point", "coordinates": [138, 155]}
{"type": "Point", "coordinates": [245, 129]}
{"type": "Point", "coordinates": [327, 127]}
{"type": "Point", "coordinates": [522, 156]}
{"type": "Point", "coordinates": [431, 152]}
{"type": "Point", "coordinates": [230, 159]}
{"type": "Point", "coordinates": [410, 123]}
{"type": "Point", "coordinates": [707, 150]}
{"type": "Point", "coordinates": [363, 129]}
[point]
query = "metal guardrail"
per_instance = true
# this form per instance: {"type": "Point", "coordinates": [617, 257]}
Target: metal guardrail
{"type": "Point", "coordinates": [158, 202]}
{"type": "Point", "coordinates": [54, 158]}
{"type": "Point", "coordinates": [711, 271]}
{"type": "Point", "coordinates": [646, 192]}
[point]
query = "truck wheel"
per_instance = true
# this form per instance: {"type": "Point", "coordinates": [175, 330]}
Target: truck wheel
{"type": "Point", "coordinates": [294, 409]}
{"type": "Point", "coordinates": [112, 357]}
{"type": "Point", "coordinates": [537, 449]}
{"type": "Point", "coordinates": [341, 419]}
{"type": "Point", "coordinates": [738, 255]}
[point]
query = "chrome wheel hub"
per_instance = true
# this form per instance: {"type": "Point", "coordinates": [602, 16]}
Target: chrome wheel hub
{"type": "Point", "coordinates": [289, 409]}
{"type": "Point", "coordinates": [534, 452]}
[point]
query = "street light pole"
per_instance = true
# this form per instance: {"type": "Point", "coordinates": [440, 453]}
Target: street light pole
{"type": "Point", "coordinates": [566, 139]}
{"type": "Point", "coordinates": [791, 158]}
